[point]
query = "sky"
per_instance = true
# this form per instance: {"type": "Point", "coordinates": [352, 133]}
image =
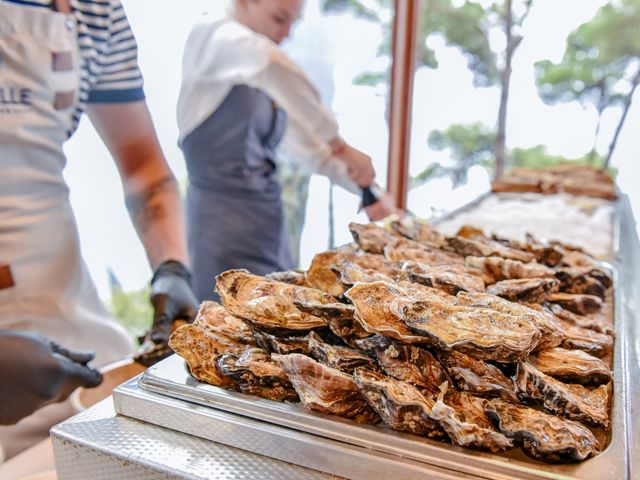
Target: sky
{"type": "Point", "coordinates": [334, 50]}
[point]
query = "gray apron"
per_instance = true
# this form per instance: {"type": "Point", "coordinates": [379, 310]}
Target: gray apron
{"type": "Point", "coordinates": [235, 217]}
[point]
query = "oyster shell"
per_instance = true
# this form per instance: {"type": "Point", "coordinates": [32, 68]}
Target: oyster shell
{"type": "Point", "coordinates": [403, 249]}
{"type": "Point", "coordinates": [574, 402]}
{"type": "Point", "coordinates": [320, 275]}
{"type": "Point", "coordinates": [379, 307]}
{"type": "Point", "coordinates": [371, 237]}
{"type": "Point", "coordinates": [294, 277]}
{"type": "Point", "coordinates": [268, 305]}
{"type": "Point", "coordinates": [548, 325]}
{"type": "Point", "coordinates": [480, 246]}
{"type": "Point", "coordinates": [420, 232]}
{"type": "Point", "coordinates": [282, 345]}
{"type": "Point", "coordinates": [213, 318]}
{"type": "Point", "coordinates": [344, 359]}
{"type": "Point", "coordinates": [571, 366]}
{"type": "Point", "coordinates": [496, 269]}
{"type": "Point", "coordinates": [405, 362]}
{"type": "Point", "coordinates": [325, 389]}
{"type": "Point", "coordinates": [577, 303]}
{"type": "Point", "coordinates": [477, 377]}
{"type": "Point", "coordinates": [334, 271]}
{"type": "Point", "coordinates": [534, 290]}
{"type": "Point", "coordinates": [400, 405]}
{"type": "Point", "coordinates": [479, 331]}
{"type": "Point", "coordinates": [363, 269]}
{"type": "Point", "coordinates": [590, 341]}
{"type": "Point", "coordinates": [596, 322]}
{"type": "Point", "coordinates": [542, 436]}
{"type": "Point", "coordinates": [201, 350]}
{"type": "Point", "coordinates": [448, 278]}
{"type": "Point", "coordinates": [257, 374]}
{"type": "Point", "coordinates": [462, 417]}
{"type": "Point", "coordinates": [580, 280]}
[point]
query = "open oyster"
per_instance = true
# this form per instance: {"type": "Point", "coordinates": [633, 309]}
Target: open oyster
{"type": "Point", "coordinates": [268, 305]}
{"type": "Point", "coordinates": [448, 278]}
{"type": "Point", "coordinates": [572, 366]}
{"type": "Point", "coordinates": [542, 436]}
{"type": "Point", "coordinates": [344, 359]}
{"type": "Point", "coordinates": [574, 402]}
{"type": "Point", "coordinates": [534, 290]}
{"type": "Point", "coordinates": [477, 377]}
{"type": "Point", "coordinates": [326, 389]}
{"type": "Point", "coordinates": [462, 417]}
{"type": "Point", "coordinates": [400, 405]}
{"type": "Point", "coordinates": [257, 374]}
{"type": "Point", "coordinates": [405, 362]}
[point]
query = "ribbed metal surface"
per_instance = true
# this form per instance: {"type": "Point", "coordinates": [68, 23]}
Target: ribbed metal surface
{"type": "Point", "coordinates": [97, 444]}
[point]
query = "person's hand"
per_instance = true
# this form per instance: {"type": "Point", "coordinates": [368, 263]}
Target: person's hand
{"type": "Point", "coordinates": [35, 372]}
{"type": "Point", "coordinates": [359, 166]}
{"type": "Point", "coordinates": [384, 207]}
{"type": "Point", "coordinates": [173, 300]}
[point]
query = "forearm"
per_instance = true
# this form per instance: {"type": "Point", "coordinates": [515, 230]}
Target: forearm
{"type": "Point", "coordinates": [150, 188]}
{"type": "Point", "coordinates": [154, 204]}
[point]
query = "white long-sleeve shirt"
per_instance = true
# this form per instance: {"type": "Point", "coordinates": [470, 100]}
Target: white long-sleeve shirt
{"type": "Point", "coordinates": [220, 55]}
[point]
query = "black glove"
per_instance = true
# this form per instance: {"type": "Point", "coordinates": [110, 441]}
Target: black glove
{"type": "Point", "coordinates": [35, 371]}
{"type": "Point", "coordinates": [172, 299]}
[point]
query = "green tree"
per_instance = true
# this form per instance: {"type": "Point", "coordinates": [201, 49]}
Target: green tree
{"type": "Point", "coordinates": [132, 309]}
{"type": "Point", "coordinates": [600, 66]}
{"type": "Point", "coordinates": [467, 27]}
{"type": "Point", "coordinates": [468, 145]}
{"type": "Point", "coordinates": [472, 144]}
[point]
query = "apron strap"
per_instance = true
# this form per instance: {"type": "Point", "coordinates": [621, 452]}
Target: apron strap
{"type": "Point", "coordinates": [62, 6]}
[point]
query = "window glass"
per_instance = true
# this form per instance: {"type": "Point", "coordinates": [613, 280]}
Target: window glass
{"type": "Point", "coordinates": [552, 104]}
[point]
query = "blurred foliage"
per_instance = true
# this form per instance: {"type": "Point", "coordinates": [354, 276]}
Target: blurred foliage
{"type": "Point", "coordinates": [600, 66]}
{"type": "Point", "coordinates": [132, 309]}
{"type": "Point", "coordinates": [295, 191]}
{"type": "Point", "coordinates": [462, 27]}
{"type": "Point", "coordinates": [470, 145]}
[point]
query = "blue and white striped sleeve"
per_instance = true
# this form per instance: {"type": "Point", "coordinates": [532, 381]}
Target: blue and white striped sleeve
{"type": "Point", "coordinates": [120, 79]}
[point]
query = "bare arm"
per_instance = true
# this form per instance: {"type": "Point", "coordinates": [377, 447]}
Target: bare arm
{"type": "Point", "coordinates": [150, 188]}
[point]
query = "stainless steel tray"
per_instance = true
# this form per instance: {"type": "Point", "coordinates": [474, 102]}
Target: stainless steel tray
{"type": "Point", "coordinates": [168, 396]}
{"type": "Point", "coordinates": [291, 433]}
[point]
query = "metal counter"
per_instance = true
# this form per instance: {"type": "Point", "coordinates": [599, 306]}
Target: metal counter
{"type": "Point", "coordinates": [167, 400]}
{"type": "Point", "coordinates": [99, 445]}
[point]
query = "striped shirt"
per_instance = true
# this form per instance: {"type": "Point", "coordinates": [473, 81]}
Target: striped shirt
{"type": "Point", "coordinates": [109, 70]}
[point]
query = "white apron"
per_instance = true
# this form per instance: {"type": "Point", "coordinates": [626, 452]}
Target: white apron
{"type": "Point", "coordinates": [46, 286]}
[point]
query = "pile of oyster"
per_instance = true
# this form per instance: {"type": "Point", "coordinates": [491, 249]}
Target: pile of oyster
{"type": "Point", "coordinates": [477, 340]}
